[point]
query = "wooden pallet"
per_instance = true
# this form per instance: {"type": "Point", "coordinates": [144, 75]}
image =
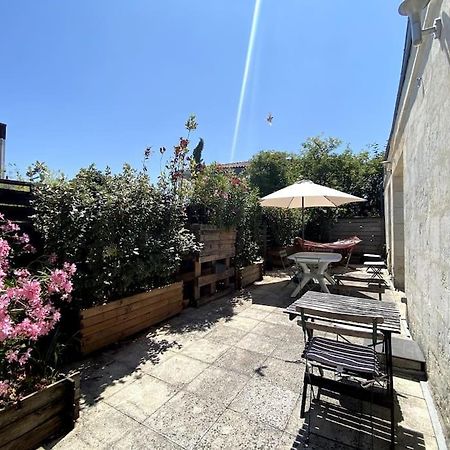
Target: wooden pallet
{"type": "Point", "coordinates": [214, 270]}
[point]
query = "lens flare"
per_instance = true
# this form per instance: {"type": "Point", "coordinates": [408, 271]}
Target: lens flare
{"type": "Point", "coordinates": [248, 60]}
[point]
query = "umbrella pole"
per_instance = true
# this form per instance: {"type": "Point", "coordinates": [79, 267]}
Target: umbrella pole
{"type": "Point", "coordinates": [303, 218]}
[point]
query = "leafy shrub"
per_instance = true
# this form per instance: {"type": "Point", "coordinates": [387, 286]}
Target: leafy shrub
{"type": "Point", "coordinates": [30, 301]}
{"type": "Point", "coordinates": [214, 196]}
{"type": "Point", "coordinates": [220, 198]}
{"type": "Point", "coordinates": [283, 225]}
{"type": "Point", "coordinates": [125, 234]}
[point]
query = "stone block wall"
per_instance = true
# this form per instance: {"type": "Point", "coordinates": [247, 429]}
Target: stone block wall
{"type": "Point", "coordinates": [418, 220]}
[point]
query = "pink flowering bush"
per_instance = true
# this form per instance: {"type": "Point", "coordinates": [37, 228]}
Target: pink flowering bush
{"type": "Point", "coordinates": [30, 300]}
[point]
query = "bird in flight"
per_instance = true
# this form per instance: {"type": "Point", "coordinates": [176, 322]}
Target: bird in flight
{"type": "Point", "coordinates": [269, 119]}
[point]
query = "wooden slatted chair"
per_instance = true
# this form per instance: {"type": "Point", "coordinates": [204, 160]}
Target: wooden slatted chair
{"type": "Point", "coordinates": [354, 368]}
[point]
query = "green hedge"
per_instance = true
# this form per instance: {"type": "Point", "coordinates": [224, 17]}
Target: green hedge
{"type": "Point", "coordinates": [124, 234]}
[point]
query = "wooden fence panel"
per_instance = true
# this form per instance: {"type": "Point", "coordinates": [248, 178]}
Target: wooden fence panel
{"type": "Point", "coordinates": [369, 229]}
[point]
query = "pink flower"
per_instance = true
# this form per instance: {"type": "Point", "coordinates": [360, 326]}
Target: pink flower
{"type": "Point", "coordinates": [4, 248]}
{"type": "Point", "coordinates": [9, 227]}
{"type": "Point", "coordinates": [4, 388]}
{"type": "Point", "coordinates": [24, 238]}
{"type": "Point", "coordinates": [21, 274]}
{"type": "Point", "coordinates": [27, 311]}
{"type": "Point", "coordinates": [11, 355]}
{"type": "Point", "coordinates": [6, 328]}
{"type": "Point", "coordinates": [28, 248]}
{"type": "Point", "coordinates": [31, 290]}
{"type": "Point", "coordinates": [70, 268]}
{"type": "Point", "coordinates": [25, 357]}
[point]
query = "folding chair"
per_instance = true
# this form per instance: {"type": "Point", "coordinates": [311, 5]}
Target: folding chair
{"type": "Point", "coordinates": [340, 365]}
{"type": "Point", "coordinates": [291, 270]}
{"type": "Point", "coordinates": [375, 268]}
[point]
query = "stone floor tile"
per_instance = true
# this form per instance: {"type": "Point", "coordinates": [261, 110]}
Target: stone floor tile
{"type": "Point", "coordinates": [150, 364]}
{"type": "Point", "coordinates": [226, 335]}
{"type": "Point", "coordinates": [415, 415]}
{"type": "Point", "coordinates": [254, 313]}
{"type": "Point", "coordinates": [185, 418]}
{"type": "Point", "coordinates": [289, 351]}
{"type": "Point", "coordinates": [178, 370]}
{"type": "Point", "coordinates": [234, 431]}
{"type": "Point", "coordinates": [375, 431]}
{"type": "Point", "coordinates": [177, 341]}
{"type": "Point", "coordinates": [218, 384]}
{"type": "Point", "coordinates": [295, 423]}
{"type": "Point", "coordinates": [265, 402]}
{"type": "Point", "coordinates": [258, 343]}
{"type": "Point", "coordinates": [100, 427]}
{"type": "Point", "coordinates": [411, 415]}
{"type": "Point", "coordinates": [271, 330]}
{"type": "Point", "coordinates": [143, 438]}
{"type": "Point", "coordinates": [315, 442]}
{"type": "Point", "coordinates": [241, 323]}
{"type": "Point", "coordinates": [263, 307]}
{"type": "Point", "coordinates": [408, 387]}
{"type": "Point", "coordinates": [103, 378]}
{"type": "Point", "coordinates": [142, 398]}
{"type": "Point", "coordinates": [294, 334]}
{"type": "Point", "coordinates": [278, 319]}
{"type": "Point", "coordinates": [205, 350]}
{"type": "Point", "coordinates": [241, 361]}
{"type": "Point", "coordinates": [407, 440]}
{"type": "Point", "coordinates": [334, 423]}
{"type": "Point", "coordinates": [287, 375]}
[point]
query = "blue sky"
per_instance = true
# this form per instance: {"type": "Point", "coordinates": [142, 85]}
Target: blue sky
{"type": "Point", "coordinates": [97, 81]}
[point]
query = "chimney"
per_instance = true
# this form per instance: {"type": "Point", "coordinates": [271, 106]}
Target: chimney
{"type": "Point", "coordinates": [2, 149]}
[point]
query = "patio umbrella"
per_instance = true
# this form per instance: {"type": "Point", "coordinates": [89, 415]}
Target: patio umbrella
{"type": "Point", "coordinates": [306, 194]}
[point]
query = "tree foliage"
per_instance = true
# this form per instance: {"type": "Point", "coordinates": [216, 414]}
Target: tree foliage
{"type": "Point", "coordinates": [220, 198]}
{"type": "Point", "coordinates": [322, 161]}
{"type": "Point", "coordinates": [270, 170]}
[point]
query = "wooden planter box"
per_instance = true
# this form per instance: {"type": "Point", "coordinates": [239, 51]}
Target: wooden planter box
{"type": "Point", "coordinates": [249, 274]}
{"type": "Point", "coordinates": [106, 324]}
{"type": "Point", "coordinates": [41, 415]}
{"type": "Point", "coordinates": [274, 254]}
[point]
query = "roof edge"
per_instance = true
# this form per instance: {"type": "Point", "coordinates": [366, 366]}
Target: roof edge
{"type": "Point", "coordinates": [404, 69]}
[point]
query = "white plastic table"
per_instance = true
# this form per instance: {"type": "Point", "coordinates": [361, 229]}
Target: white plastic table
{"type": "Point", "coordinates": [314, 265]}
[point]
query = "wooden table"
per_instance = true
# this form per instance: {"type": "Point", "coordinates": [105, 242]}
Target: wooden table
{"type": "Point", "coordinates": [314, 265]}
{"type": "Point", "coordinates": [352, 305]}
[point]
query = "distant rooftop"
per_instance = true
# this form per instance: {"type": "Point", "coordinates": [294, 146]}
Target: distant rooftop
{"type": "Point", "coordinates": [235, 165]}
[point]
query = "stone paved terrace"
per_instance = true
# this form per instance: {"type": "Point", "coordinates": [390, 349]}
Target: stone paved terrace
{"type": "Point", "coordinates": [228, 376]}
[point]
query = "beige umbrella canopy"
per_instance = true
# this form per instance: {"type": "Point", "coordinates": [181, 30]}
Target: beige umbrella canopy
{"type": "Point", "coordinates": [306, 194]}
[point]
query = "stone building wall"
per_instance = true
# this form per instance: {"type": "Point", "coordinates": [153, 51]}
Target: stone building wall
{"type": "Point", "coordinates": [417, 201]}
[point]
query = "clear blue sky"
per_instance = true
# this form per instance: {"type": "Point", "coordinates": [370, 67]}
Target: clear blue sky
{"type": "Point", "coordinates": [96, 81]}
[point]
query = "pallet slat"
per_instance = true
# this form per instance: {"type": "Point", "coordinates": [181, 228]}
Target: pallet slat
{"type": "Point", "coordinates": [208, 279]}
